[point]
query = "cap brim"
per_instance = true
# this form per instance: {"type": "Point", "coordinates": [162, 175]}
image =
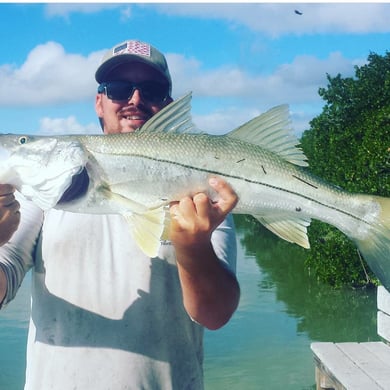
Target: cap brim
{"type": "Point", "coordinates": [104, 70]}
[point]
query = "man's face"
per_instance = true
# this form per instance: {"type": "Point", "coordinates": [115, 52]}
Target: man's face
{"type": "Point", "coordinates": [124, 116]}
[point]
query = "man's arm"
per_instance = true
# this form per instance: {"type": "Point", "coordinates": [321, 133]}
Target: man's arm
{"type": "Point", "coordinates": [210, 291]}
{"type": "Point", "coordinates": [9, 213]}
{"type": "Point", "coordinates": [9, 222]}
{"type": "Point", "coordinates": [20, 225]}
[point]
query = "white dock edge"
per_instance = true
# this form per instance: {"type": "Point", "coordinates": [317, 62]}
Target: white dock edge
{"type": "Point", "coordinates": [356, 366]}
{"type": "Point", "coordinates": [383, 319]}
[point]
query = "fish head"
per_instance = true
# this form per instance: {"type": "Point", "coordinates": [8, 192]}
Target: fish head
{"type": "Point", "coordinates": [41, 152]}
{"type": "Point", "coordinates": [40, 167]}
{"type": "Point", "coordinates": [27, 148]}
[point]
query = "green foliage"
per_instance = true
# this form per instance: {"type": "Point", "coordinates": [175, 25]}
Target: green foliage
{"type": "Point", "coordinates": [334, 259]}
{"type": "Point", "coordinates": [348, 144]}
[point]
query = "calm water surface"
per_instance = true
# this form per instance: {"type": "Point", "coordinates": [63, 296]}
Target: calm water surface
{"type": "Point", "coordinates": [266, 345]}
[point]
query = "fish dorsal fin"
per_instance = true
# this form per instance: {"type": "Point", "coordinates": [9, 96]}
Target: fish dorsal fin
{"type": "Point", "coordinates": [173, 118]}
{"type": "Point", "coordinates": [288, 228]}
{"type": "Point", "coordinates": [272, 131]}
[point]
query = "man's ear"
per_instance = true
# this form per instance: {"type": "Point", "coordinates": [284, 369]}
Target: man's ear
{"type": "Point", "coordinates": [99, 105]}
{"type": "Point", "coordinates": [99, 109]}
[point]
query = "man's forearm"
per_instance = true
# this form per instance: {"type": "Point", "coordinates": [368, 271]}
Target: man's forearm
{"type": "Point", "coordinates": [210, 292]}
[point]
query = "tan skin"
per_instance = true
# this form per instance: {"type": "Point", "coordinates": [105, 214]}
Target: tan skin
{"type": "Point", "coordinates": [210, 292]}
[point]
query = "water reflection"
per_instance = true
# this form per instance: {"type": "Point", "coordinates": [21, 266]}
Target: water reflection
{"type": "Point", "coordinates": [323, 313]}
{"type": "Point", "coordinates": [282, 310]}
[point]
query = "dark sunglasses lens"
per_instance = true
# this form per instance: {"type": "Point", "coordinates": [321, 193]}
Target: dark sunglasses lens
{"type": "Point", "coordinates": [118, 91]}
{"type": "Point", "coordinates": [153, 92]}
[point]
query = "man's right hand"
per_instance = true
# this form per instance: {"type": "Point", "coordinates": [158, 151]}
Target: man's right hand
{"type": "Point", "coordinates": [9, 213]}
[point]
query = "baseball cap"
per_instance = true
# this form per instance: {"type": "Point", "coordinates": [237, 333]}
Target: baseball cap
{"type": "Point", "coordinates": [133, 51]}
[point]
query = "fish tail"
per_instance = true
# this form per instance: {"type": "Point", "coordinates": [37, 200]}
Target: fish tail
{"type": "Point", "coordinates": [375, 247]}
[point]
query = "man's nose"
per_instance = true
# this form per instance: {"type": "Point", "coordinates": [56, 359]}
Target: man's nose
{"type": "Point", "coordinates": [136, 97]}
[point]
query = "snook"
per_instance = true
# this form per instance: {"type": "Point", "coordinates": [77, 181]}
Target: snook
{"type": "Point", "coordinates": [138, 174]}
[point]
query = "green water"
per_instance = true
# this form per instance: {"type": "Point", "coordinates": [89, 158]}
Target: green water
{"type": "Point", "coordinates": [283, 309]}
{"type": "Point", "coordinates": [266, 345]}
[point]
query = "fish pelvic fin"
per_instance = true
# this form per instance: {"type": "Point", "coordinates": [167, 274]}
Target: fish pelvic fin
{"type": "Point", "coordinates": [290, 229]}
{"type": "Point", "coordinates": [147, 226]}
{"type": "Point", "coordinates": [148, 229]}
{"type": "Point", "coordinates": [375, 248]}
{"type": "Point", "coordinates": [272, 131]}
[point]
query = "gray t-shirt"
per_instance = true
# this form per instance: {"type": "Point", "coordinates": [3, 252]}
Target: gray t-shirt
{"type": "Point", "coordinates": [104, 315]}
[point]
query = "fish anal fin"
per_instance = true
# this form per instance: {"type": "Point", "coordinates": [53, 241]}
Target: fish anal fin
{"type": "Point", "coordinates": [290, 229]}
{"type": "Point", "coordinates": [148, 229]}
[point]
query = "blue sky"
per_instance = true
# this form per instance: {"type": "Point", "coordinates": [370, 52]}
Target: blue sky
{"type": "Point", "coordinates": [238, 59]}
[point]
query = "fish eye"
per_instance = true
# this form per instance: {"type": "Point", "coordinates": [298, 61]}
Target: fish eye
{"type": "Point", "coordinates": [22, 140]}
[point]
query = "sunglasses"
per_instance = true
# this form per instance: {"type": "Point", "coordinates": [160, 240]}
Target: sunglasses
{"type": "Point", "coordinates": [151, 91]}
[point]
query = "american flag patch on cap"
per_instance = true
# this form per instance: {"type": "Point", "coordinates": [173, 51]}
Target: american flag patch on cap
{"type": "Point", "coordinates": [133, 47]}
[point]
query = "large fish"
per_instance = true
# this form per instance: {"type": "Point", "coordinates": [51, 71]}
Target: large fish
{"type": "Point", "coordinates": [138, 174]}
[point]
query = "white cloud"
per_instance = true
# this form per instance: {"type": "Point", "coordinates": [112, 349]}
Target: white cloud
{"type": "Point", "coordinates": [276, 19]}
{"type": "Point", "coordinates": [49, 76]}
{"type": "Point", "coordinates": [292, 83]}
{"type": "Point", "coordinates": [69, 125]}
{"type": "Point", "coordinates": [65, 9]}
{"type": "Point", "coordinates": [272, 18]}
{"type": "Point", "coordinates": [224, 121]}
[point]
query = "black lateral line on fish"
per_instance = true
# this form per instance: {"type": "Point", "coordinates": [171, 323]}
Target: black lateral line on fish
{"type": "Point", "coordinates": [254, 182]}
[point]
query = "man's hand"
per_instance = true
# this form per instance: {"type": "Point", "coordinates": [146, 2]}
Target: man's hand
{"type": "Point", "coordinates": [9, 213]}
{"type": "Point", "coordinates": [195, 219]}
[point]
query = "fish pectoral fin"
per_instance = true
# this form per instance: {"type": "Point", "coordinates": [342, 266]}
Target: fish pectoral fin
{"type": "Point", "coordinates": [290, 229]}
{"type": "Point", "coordinates": [148, 229]}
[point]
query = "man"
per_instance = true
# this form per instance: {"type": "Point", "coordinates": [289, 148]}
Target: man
{"type": "Point", "coordinates": [104, 315]}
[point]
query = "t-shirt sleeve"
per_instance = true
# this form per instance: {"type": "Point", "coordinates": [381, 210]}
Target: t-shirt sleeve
{"type": "Point", "coordinates": [16, 256]}
{"type": "Point", "coordinates": [224, 243]}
